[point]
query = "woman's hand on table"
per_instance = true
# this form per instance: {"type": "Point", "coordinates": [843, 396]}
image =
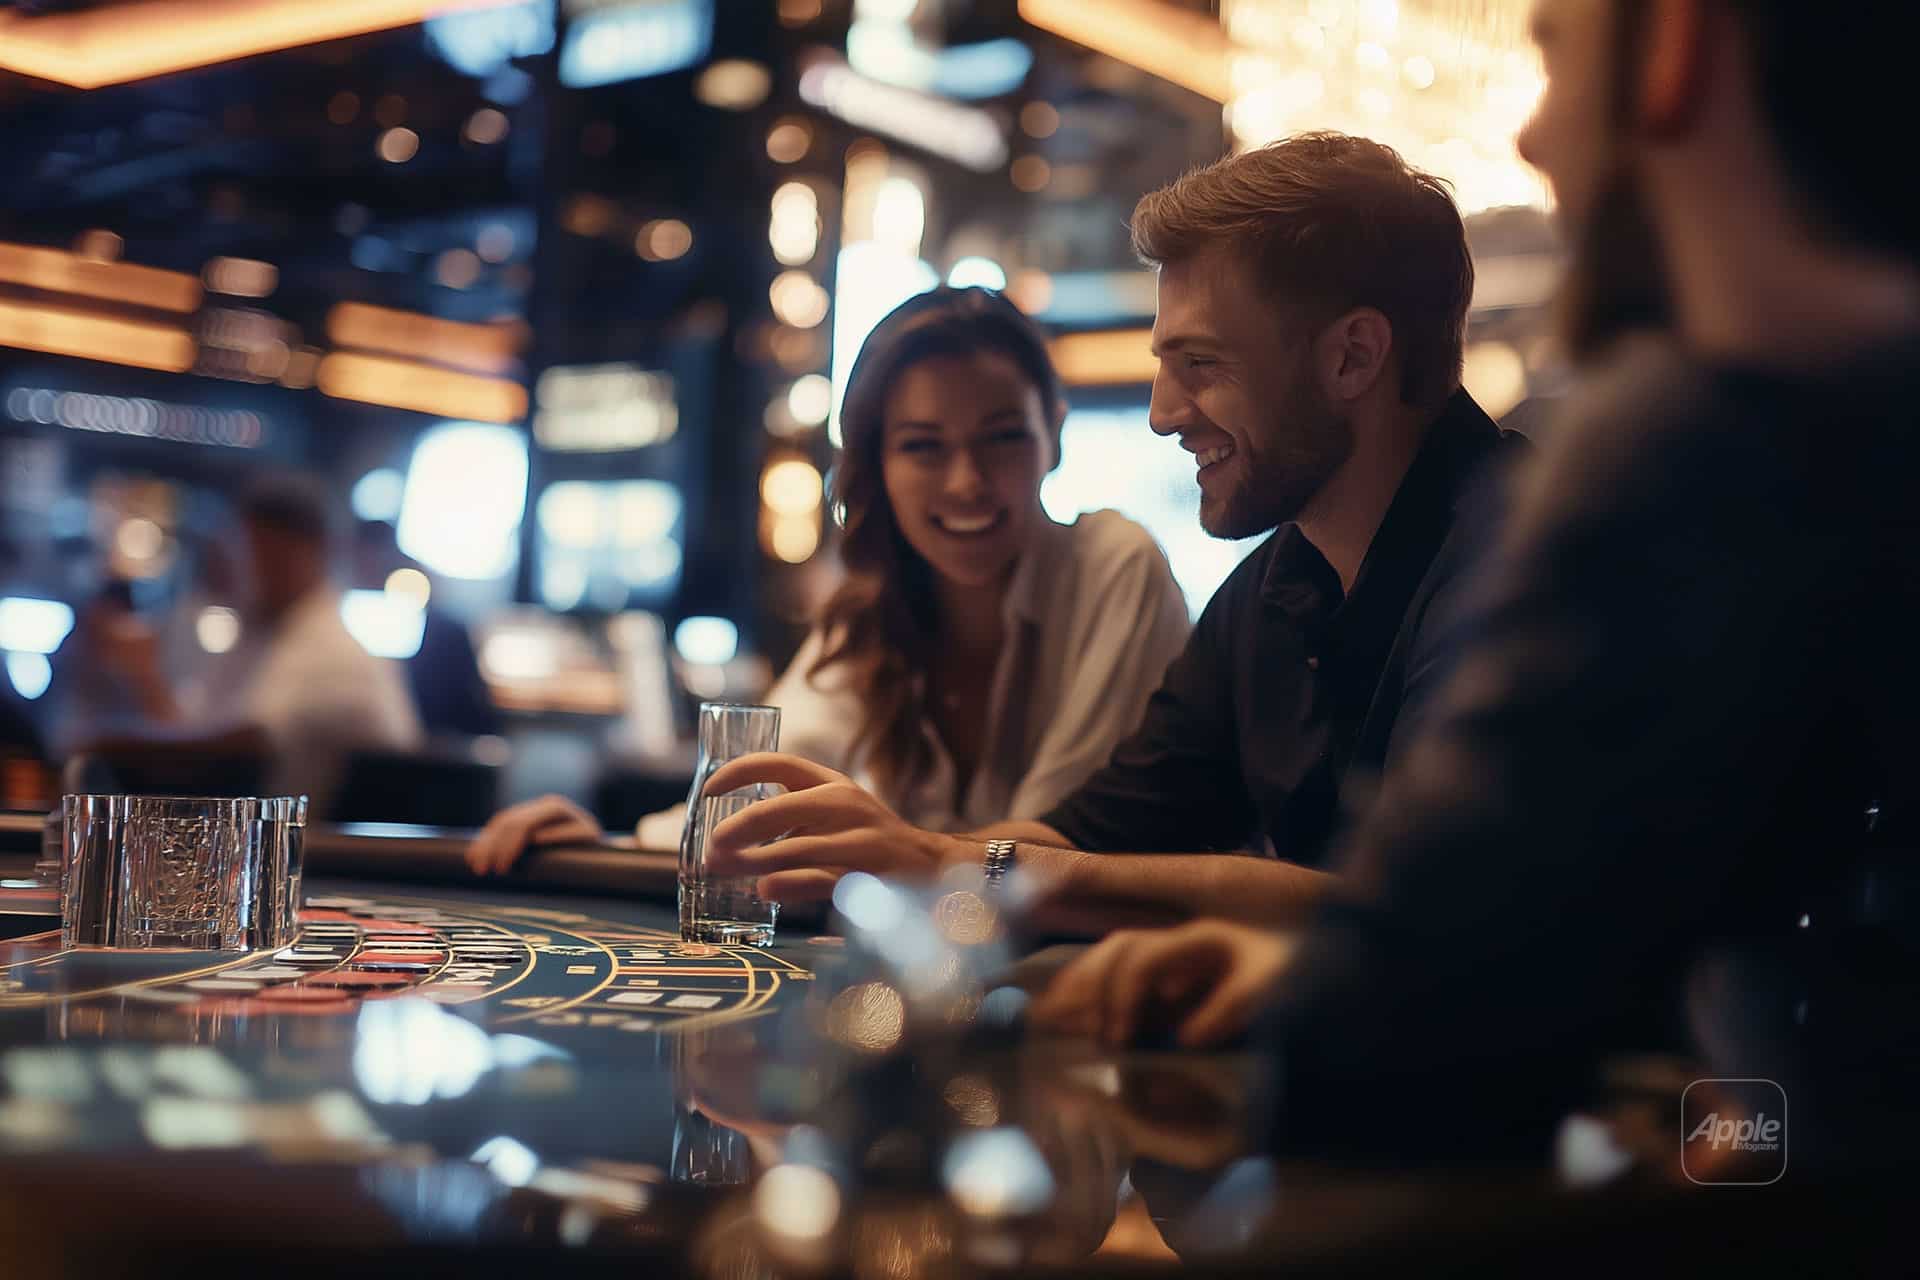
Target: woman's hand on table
{"type": "Point", "coordinates": [823, 827]}
{"type": "Point", "coordinates": [1208, 979]}
{"type": "Point", "coordinates": [548, 820]}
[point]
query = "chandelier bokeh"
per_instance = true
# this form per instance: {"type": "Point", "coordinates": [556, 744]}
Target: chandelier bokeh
{"type": "Point", "coordinates": [1447, 83]}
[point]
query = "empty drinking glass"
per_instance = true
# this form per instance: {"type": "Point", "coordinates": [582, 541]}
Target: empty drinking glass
{"type": "Point", "coordinates": [183, 864]}
{"type": "Point", "coordinates": [173, 871]}
{"type": "Point", "coordinates": [725, 910]}
{"type": "Point", "coordinates": [272, 891]}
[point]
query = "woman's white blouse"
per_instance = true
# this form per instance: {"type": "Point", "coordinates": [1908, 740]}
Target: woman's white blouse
{"type": "Point", "coordinates": [1093, 617]}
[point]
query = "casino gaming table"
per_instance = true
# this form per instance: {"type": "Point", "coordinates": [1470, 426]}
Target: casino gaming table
{"type": "Point", "coordinates": [533, 1076]}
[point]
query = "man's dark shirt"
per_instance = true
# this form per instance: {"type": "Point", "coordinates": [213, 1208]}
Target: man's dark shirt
{"type": "Point", "coordinates": [1691, 674]}
{"type": "Point", "coordinates": [1286, 688]}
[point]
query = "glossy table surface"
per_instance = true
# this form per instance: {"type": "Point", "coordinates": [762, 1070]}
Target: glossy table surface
{"type": "Point", "coordinates": [535, 1073]}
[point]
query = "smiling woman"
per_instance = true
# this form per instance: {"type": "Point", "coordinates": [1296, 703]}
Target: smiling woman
{"type": "Point", "coordinates": [981, 659]}
{"type": "Point", "coordinates": [960, 589]}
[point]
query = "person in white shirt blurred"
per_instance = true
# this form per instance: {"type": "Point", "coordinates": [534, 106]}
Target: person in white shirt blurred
{"type": "Point", "coordinates": [980, 660]}
{"type": "Point", "coordinates": [310, 695]}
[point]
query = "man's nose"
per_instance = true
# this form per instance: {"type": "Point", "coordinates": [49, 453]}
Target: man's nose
{"type": "Point", "coordinates": [1167, 408]}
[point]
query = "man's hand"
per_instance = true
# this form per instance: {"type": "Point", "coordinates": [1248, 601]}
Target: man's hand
{"type": "Point", "coordinates": [823, 827]}
{"type": "Point", "coordinates": [1210, 977]}
{"type": "Point", "coordinates": [548, 820]}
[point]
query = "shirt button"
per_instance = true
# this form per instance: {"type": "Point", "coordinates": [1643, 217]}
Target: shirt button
{"type": "Point", "coordinates": [1313, 663]}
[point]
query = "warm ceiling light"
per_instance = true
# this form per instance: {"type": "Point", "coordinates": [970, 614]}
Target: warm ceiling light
{"type": "Point", "coordinates": [64, 332]}
{"type": "Point", "coordinates": [793, 539]}
{"type": "Point", "coordinates": [411, 585]}
{"type": "Point", "coordinates": [587, 215]}
{"type": "Point", "coordinates": [798, 299]}
{"type": "Point", "coordinates": [788, 141]}
{"type": "Point", "coordinates": [111, 44]}
{"type": "Point", "coordinates": [734, 84]}
{"type": "Point", "coordinates": [1185, 48]}
{"type": "Point", "coordinates": [1040, 119]}
{"type": "Point", "coordinates": [397, 146]}
{"type": "Point", "coordinates": [240, 277]}
{"type": "Point", "coordinates": [794, 229]}
{"type": "Point", "coordinates": [407, 384]}
{"type": "Point", "coordinates": [99, 245]}
{"type": "Point", "coordinates": [791, 486]}
{"type": "Point", "coordinates": [1121, 356]}
{"type": "Point", "coordinates": [663, 240]}
{"type": "Point", "coordinates": [798, 13]}
{"type": "Point", "coordinates": [1031, 173]}
{"type": "Point", "coordinates": [486, 126]}
{"type": "Point", "coordinates": [489, 348]}
{"type": "Point", "coordinates": [57, 271]}
{"type": "Point", "coordinates": [457, 268]}
{"type": "Point", "coordinates": [810, 399]}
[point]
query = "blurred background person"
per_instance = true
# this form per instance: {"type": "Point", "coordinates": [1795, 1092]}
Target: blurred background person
{"type": "Point", "coordinates": [981, 659]}
{"type": "Point", "coordinates": [311, 696]}
{"type": "Point", "coordinates": [449, 692]}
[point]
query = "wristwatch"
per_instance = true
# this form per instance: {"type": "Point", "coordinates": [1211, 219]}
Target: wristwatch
{"type": "Point", "coordinates": [999, 862]}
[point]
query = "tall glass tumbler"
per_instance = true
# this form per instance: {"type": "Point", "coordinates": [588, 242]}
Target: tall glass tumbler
{"type": "Point", "coordinates": [271, 894]}
{"type": "Point", "coordinates": [91, 827]}
{"type": "Point", "coordinates": [724, 910]}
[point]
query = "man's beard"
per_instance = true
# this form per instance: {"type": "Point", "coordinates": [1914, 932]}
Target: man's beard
{"type": "Point", "coordinates": [1617, 282]}
{"type": "Point", "coordinates": [1279, 482]}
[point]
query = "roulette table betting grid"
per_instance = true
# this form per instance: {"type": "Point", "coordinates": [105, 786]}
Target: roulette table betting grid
{"type": "Point", "coordinates": [527, 1031]}
{"type": "Point", "coordinates": [515, 964]}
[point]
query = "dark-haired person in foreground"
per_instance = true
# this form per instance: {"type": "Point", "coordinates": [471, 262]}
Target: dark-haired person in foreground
{"type": "Point", "coordinates": [1649, 781]}
{"type": "Point", "coordinates": [1312, 300]}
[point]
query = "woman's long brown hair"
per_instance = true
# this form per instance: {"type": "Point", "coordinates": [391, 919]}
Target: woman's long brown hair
{"type": "Point", "coordinates": [882, 624]}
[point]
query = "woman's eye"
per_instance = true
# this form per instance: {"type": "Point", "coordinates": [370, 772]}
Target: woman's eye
{"type": "Point", "coordinates": [1199, 362]}
{"type": "Point", "coordinates": [920, 447]}
{"type": "Point", "coordinates": [1013, 435]}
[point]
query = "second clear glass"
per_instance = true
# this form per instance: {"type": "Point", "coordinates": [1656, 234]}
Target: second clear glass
{"type": "Point", "coordinates": [724, 910]}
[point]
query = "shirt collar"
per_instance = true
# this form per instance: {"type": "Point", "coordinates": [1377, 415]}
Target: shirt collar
{"type": "Point", "coordinates": [1298, 578]}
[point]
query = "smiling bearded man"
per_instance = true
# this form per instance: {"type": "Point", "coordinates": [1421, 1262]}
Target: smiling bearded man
{"type": "Point", "coordinates": [1312, 305]}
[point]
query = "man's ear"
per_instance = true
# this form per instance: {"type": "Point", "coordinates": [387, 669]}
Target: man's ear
{"type": "Point", "coordinates": [1671, 81]}
{"type": "Point", "coordinates": [1352, 353]}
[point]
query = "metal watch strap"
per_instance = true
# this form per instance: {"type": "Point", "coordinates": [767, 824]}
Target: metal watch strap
{"type": "Point", "coordinates": [999, 861]}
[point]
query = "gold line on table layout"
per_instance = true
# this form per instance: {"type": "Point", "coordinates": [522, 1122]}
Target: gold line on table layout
{"type": "Point", "coordinates": [753, 1009]}
{"type": "Point", "coordinates": [533, 958]}
{"type": "Point", "coordinates": [251, 957]}
{"type": "Point", "coordinates": [705, 991]}
{"type": "Point", "coordinates": [359, 945]}
{"type": "Point", "coordinates": [22, 964]}
{"type": "Point", "coordinates": [48, 997]}
{"type": "Point", "coordinates": [751, 1000]}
